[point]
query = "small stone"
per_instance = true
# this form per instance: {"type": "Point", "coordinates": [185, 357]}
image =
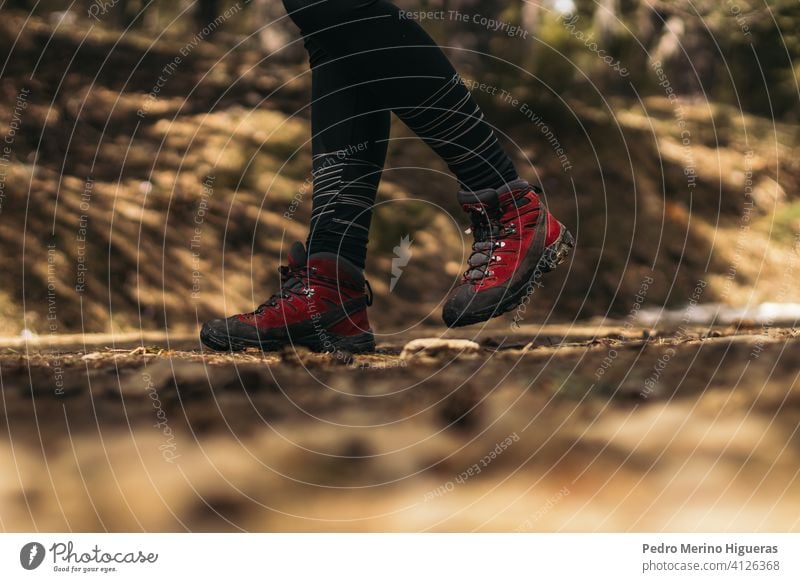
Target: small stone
{"type": "Point", "coordinates": [435, 346]}
{"type": "Point", "coordinates": [711, 333]}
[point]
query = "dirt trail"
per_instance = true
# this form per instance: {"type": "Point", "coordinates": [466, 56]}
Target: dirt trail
{"type": "Point", "coordinates": [554, 428]}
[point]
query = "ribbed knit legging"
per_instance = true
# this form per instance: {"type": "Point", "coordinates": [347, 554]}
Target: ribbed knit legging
{"type": "Point", "coordinates": [369, 58]}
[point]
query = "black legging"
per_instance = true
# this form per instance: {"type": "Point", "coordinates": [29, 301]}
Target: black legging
{"type": "Point", "coordinates": [368, 59]}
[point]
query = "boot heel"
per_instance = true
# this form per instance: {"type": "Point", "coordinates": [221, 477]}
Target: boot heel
{"type": "Point", "coordinates": [557, 252]}
{"type": "Point", "coordinates": [330, 342]}
{"type": "Point", "coordinates": [356, 344]}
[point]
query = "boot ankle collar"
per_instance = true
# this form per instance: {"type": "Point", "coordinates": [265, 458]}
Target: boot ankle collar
{"type": "Point", "coordinates": [333, 265]}
{"type": "Point", "coordinates": [491, 197]}
{"type": "Point", "coordinates": [516, 188]}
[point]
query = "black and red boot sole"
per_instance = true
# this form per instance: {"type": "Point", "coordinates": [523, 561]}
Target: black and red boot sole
{"type": "Point", "coordinates": [219, 340]}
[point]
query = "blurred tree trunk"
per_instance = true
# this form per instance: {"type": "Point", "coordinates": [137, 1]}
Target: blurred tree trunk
{"type": "Point", "coordinates": [19, 4]}
{"type": "Point", "coordinates": [531, 13]}
{"type": "Point", "coordinates": [275, 32]}
{"type": "Point", "coordinates": [671, 40]}
{"type": "Point", "coordinates": [646, 21]}
{"type": "Point", "coordinates": [606, 20]}
{"type": "Point", "coordinates": [687, 50]}
{"type": "Point", "coordinates": [206, 11]}
{"type": "Point", "coordinates": [487, 9]}
{"type": "Point", "coordinates": [126, 14]}
{"type": "Point", "coordinates": [150, 17]}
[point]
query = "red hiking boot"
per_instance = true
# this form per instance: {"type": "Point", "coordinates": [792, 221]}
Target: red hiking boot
{"type": "Point", "coordinates": [516, 241]}
{"type": "Point", "coordinates": [322, 305]}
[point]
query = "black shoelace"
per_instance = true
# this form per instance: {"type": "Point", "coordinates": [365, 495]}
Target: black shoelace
{"type": "Point", "coordinates": [292, 283]}
{"type": "Point", "coordinates": [488, 232]}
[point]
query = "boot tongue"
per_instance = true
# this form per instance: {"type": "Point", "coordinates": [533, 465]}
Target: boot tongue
{"type": "Point", "coordinates": [297, 259]}
{"type": "Point", "coordinates": [480, 205]}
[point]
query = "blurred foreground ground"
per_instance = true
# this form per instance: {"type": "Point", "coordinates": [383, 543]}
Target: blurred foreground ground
{"type": "Point", "coordinates": [559, 428]}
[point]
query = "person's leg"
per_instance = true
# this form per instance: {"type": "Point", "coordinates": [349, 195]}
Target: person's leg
{"type": "Point", "coordinates": [350, 134]}
{"type": "Point", "coordinates": [516, 238]}
{"type": "Point", "coordinates": [379, 46]}
{"type": "Point", "coordinates": [370, 59]}
{"type": "Point", "coordinates": [323, 300]}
